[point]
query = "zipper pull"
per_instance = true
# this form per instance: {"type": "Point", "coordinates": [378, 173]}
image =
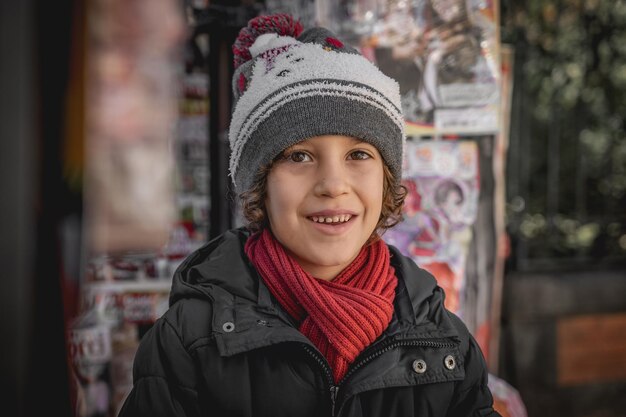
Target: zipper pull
{"type": "Point", "coordinates": [333, 398]}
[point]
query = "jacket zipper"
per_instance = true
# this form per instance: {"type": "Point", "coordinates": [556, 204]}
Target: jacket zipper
{"type": "Point", "coordinates": [329, 376]}
{"type": "Point", "coordinates": [390, 346]}
{"type": "Point", "coordinates": [334, 389]}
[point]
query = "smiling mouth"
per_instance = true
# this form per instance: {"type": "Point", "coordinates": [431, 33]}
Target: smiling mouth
{"type": "Point", "coordinates": [332, 220]}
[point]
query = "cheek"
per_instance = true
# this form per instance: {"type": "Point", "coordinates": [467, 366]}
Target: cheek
{"type": "Point", "coordinates": [374, 189]}
{"type": "Point", "coordinates": [279, 202]}
{"type": "Point", "coordinates": [380, 203]}
{"type": "Point", "coordinates": [273, 204]}
{"type": "Point", "coordinates": [271, 199]}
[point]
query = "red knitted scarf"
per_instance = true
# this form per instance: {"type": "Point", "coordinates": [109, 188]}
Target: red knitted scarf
{"type": "Point", "coordinates": [341, 317]}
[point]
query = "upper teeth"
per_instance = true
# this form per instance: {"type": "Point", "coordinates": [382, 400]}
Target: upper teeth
{"type": "Point", "coordinates": [334, 219]}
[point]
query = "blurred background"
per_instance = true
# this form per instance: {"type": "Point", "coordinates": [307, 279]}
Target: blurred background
{"type": "Point", "coordinates": [114, 119]}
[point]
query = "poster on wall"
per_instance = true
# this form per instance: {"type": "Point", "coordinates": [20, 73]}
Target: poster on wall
{"type": "Point", "coordinates": [443, 53]}
{"type": "Point", "coordinates": [441, 178]}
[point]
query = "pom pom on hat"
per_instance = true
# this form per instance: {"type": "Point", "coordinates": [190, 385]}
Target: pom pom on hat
{"type": "Point", "coordinates": [281, 24]}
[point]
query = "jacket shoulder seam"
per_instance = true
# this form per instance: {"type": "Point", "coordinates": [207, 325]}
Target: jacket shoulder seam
{"type": "Point", "coordinates": [201, 341]}
{"type": "Point", "coordinates": [193, 344]}
{"type": "Point", "coordinates": [171, 325]}
{"type": "Point", "coordinates": [459, 325]}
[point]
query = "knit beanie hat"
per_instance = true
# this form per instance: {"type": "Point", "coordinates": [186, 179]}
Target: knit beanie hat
{"type": "Point", "coordinates": [290, 85]}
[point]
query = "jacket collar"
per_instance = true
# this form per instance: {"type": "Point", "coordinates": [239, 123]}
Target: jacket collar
{"type": "Point", "coordinates": [246, 316]}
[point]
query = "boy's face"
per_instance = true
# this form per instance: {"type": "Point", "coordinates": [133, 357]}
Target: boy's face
{"type": "Point", "coordinates": [324, 199]}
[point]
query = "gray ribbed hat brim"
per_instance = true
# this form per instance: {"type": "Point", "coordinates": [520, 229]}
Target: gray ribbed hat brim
{"type": "Point", "coordinates": [311, 116]}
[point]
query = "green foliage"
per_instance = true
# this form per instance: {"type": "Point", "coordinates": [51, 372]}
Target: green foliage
{"type": "Point", "coordinates": [573, 72]}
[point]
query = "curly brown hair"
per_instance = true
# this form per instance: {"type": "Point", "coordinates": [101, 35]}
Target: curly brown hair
{"type": "Point", "coordinates": [394, 193]}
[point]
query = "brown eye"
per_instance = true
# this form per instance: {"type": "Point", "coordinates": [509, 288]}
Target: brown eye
{"type": "Point", "coordinates": [298, 156]}
{"type": "Point", "coordinates": [359, 155]}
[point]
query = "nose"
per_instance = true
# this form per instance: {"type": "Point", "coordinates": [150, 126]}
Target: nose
{"type": "Point", "coordinates": [332, 180]}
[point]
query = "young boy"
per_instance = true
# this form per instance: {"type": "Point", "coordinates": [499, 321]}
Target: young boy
{"type": "Point", "coordinates": [307, 312]}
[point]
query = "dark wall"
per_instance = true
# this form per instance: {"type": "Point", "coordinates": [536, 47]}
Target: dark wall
{"type": "Point", "coordinates": [34, 52]}
{"type": "Point", "coordinates": [563, 344]}
{"type": "Point", "coordinates": [17, 172]}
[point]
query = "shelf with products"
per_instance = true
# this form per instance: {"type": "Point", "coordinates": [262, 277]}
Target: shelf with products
{"type": "Point", "coordinates": [123, 294]}
{"type": "Point", "coordinates": [126, 281]}
{"type": "Point", "coordinates": [103, 339]}
{"type": "Point", "coordinates": [192, 161]}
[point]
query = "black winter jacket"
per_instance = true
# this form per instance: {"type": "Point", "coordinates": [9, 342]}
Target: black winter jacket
{"type": "Point", "coordinates": [226, 347]}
